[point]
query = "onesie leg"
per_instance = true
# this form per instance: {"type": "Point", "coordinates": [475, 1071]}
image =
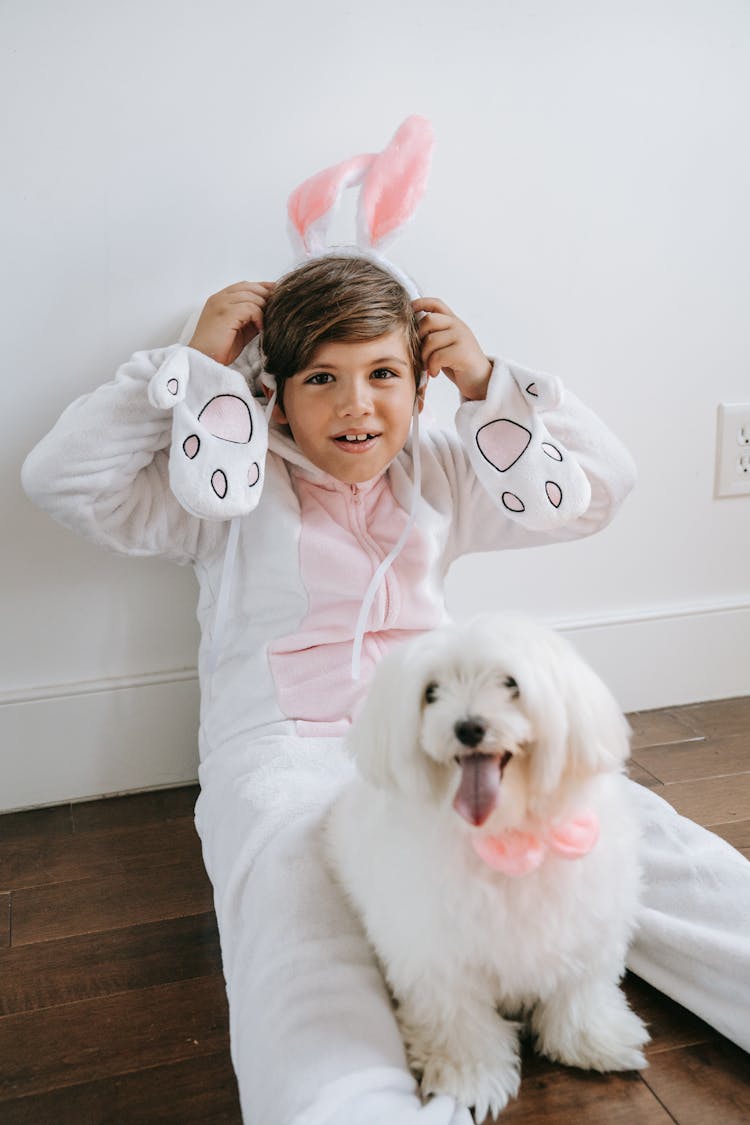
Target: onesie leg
{"type": "Point", "coordinates": [693, 937]}
{"type": "Point", "coordinates": [313, 1036]}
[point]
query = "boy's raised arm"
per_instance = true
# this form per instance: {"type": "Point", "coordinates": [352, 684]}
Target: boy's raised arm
{"type": "Point", "coordinates": [534, 465]}
{"type": "Point", "coordinates": [103, 469]}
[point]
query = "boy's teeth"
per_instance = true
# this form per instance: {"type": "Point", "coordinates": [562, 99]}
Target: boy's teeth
{"type": "Point", "coordinates": [356, 437]}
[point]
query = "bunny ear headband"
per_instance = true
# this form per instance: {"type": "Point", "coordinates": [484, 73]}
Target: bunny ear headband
{"type": "Point", "coordinates": [391, 182]}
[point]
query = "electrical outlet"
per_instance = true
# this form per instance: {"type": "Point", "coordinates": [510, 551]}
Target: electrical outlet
{"type": "Point", "coordinates": [733, 449]}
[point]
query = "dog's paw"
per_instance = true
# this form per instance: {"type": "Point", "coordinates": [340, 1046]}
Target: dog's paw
{"type": "Point", "coordinates": [614, 1044]}
{"type": "Point", "coordinates": [485, 1077]}
{"type": "Point", "coordinates": [471, 1083]}
{"type": "Point", "coordinates": [608, 1036]}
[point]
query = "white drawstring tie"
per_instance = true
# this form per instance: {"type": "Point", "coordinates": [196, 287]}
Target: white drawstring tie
{"type": "Point", "coordinates": [390, 558]}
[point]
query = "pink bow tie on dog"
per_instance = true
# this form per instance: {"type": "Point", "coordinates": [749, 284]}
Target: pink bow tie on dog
{"type": "Point", "coordinates": [518, 853]}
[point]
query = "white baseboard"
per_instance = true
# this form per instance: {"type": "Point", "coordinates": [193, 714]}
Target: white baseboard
{"type": "Point", "coordinates": [70, 742]}
{"type": "Point", "coordinates": [670, 656]}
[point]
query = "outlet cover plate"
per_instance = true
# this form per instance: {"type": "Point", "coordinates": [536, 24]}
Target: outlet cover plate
{"type": "Point", "coordinates": [733, 449]}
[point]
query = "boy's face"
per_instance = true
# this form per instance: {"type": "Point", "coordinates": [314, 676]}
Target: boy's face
{"type": "Point", "coordinates": [350, 410]}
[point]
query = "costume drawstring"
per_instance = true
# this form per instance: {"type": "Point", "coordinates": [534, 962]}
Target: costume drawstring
{"type": "Point", "coordinates": [379, 575]}
{"type": "Point", "coordinates": [227, 573]}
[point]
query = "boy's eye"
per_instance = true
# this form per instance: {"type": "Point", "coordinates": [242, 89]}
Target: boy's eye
{"type": "Point", "coordinates": [319, 378]}
{"type": "Point", "coordinates": [383, 373]}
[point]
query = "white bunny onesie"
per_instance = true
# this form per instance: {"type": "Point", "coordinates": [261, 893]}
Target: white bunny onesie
{"type": "Point", "coordinates": [313, 1037]}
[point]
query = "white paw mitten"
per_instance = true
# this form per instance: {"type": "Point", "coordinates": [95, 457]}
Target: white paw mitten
{"type": "Point", "coordinates": [219, 435]}
{"type": "Point", "coordinates": [529, 474]}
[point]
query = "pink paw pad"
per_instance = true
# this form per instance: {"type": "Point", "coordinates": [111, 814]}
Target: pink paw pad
{"type": "Point", "coordinates": [228, 417]}
{"type": "Point", "coordinates": [503, 442]}
{"type": "Point", "coordinates": [512, 502]}
{"type": "Point", "coordinates": [219, 483]}
{"type": "Point", "coordinates": [191, 445]}
{"type": "Point", "coordinates": [554, 493]}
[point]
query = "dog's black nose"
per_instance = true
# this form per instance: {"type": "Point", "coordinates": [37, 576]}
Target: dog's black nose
{"type": "Point", "coordinates": [470, 731]}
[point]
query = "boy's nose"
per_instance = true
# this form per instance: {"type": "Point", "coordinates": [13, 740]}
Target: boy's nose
{"type": "Point", "coordinates": [355, 399]}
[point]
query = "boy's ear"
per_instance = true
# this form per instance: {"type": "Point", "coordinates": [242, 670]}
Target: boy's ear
{"type": "Point", "coordinates": [277, 414]}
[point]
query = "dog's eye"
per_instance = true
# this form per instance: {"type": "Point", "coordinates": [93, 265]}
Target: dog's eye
{"type": "Point", "coordinates": [431, 692]}
{"type": "Point", "coordinates": [510, 683]}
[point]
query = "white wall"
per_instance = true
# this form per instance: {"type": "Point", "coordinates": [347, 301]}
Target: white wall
{"type": "Point", "coordinates": [587, 213]}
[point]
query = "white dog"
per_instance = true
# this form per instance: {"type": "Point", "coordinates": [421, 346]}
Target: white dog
{"type": "Point", "coordinates": [488, 845]}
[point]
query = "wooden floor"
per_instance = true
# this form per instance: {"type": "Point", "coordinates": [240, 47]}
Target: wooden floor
{"type": "Point", "coordinates": [112, 1003]}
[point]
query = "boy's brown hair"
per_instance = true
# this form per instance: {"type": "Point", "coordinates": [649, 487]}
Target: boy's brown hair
{"type": "Point", "coordinates": [336, 297]}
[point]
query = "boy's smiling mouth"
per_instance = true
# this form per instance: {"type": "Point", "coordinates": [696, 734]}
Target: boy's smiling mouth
{"type": "Point", "coordinates": [356, 441]}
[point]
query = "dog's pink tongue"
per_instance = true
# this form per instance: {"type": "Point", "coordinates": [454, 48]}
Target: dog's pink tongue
{"type": "Point", "coordinates": [479, 790]}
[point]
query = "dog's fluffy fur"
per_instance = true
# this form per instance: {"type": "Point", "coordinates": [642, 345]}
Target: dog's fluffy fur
{"type": "Point", "coordinates": [468, 951]}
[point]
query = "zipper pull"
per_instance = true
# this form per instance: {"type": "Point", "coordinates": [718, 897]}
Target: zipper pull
{"type": "Point", "coordinates": [355, 493]}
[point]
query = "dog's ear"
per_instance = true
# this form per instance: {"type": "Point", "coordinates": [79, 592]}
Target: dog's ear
{"type": "Point", "coordinates": [598, 733]}
{"type": "Point", "coordinates": [578, 726]}
{"type": "Point", "coordinates": [544, 704]}
{"type": "Point", "coordinates": [385, 735]}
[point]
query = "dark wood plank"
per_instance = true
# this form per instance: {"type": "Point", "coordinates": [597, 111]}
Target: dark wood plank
{"type": "Point", "coordinates": [706, 1084]}
{"type": "Point", "coordinates": [6, 903]}
{"type": "Point", "coordinates": [551, 1095]}
{"type": "Point", "coordinates": [38, 860]}
{"type": "Point", "coordinates": [685, 761]}
{"type": "Point", "coordinates": [669, 1024]}
{"type": "Point", "coordinates": [201, 1091]}
{"type": "Point", "coordinates": [719, 718]}
{"type": "Point", "coordinates": [637, 773]}
{"type": "Point", "coordinates": [54, 821]}
{"type": "Point", "coordinates": [95, 1039]}
{"type": "Point", "coordinates": [711, 800]}
{"type": "Point", "coordinates": [659, 728]}
{"type": "Point", "coordinates": [153, 807]}
{"type": "Point", "coordinates": [736, 833]}
{"type": "Point", "coordinates": [85, 906]}
{"type": "Point", "coordinates": [58, 972]}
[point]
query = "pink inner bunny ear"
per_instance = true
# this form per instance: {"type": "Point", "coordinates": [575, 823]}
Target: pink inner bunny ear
{"type": "Point", "coordinates": [315, 198]}
{"type": "Point", "coordinates": [396, 179]}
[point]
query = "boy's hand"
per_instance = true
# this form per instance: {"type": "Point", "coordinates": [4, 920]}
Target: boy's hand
{"type": "Point", "coordinates": [449, 345]}
{"type": "Point", "coordinates": [230, 320]}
